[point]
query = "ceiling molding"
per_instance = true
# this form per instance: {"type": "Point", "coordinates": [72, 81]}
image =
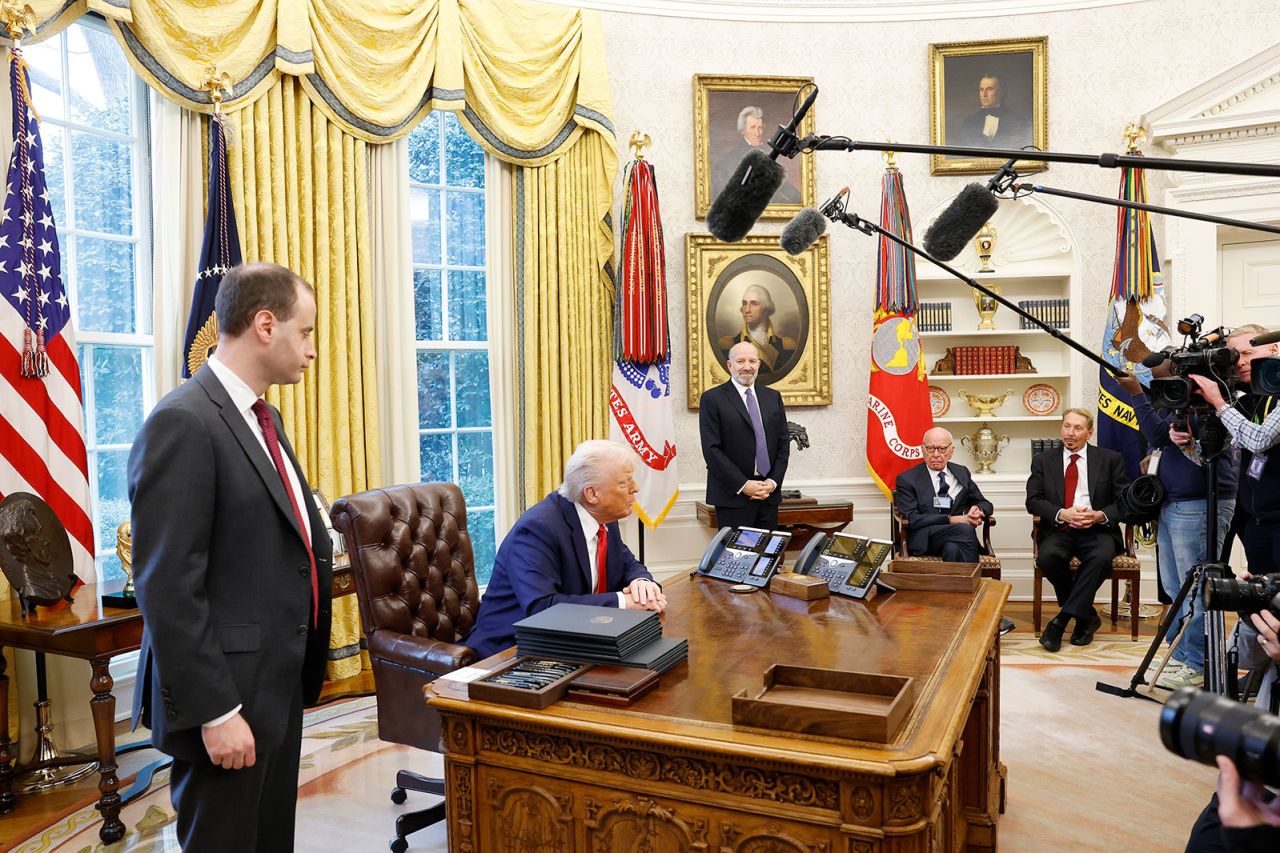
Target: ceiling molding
{"type": "Point", "coordinates": [838, 11]}
{"type": "Point", "coordinates": [1240, 103]}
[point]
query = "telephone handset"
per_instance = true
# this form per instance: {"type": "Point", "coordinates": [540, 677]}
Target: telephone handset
{"type": "Point", "coordinates": [849, 564]}
{"type": "Point", "coordinates": [747, 555]}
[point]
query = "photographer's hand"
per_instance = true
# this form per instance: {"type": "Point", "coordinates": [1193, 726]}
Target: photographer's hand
{"type": "Point", "coordinates": [1243, 805]}
{"type": "Point", "coordinates": [1182, 439]}
{"type": "Point", "coordinates": [1268, 633]}
{"type": "Point", "coordinates": [1209, 390]}
{"type": "Point", "coordinates": [1130, 384]}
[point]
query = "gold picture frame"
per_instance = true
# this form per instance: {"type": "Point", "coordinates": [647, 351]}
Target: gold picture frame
{"type": "Point", "coordinates": [340, 555]}
{"type": "Point", "coordinates": [720, 103]}
{"type": "Point", "coordinates": [961, 91]}
{"type": "Point", "coordinates": [797, 362]}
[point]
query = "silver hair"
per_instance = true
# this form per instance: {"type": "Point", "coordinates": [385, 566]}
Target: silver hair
{"type": "Point", "coordinates": [765, 297]}
{"type": "Point", "coordinates": [589, 466]}
{"type": "Point", "coordinates": [748, 112]}
{"type": "Point", "coordinates": [1249, 329]}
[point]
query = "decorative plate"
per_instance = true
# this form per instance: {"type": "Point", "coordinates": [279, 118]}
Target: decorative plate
{"type": "Point", "coordinates": [939, 402]}
{"type": "Point", "coordinates": [1041, 399]}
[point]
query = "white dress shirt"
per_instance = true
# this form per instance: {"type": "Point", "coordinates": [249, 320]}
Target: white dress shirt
{"type": "Point", "coordinates": [953, 485]}
{"type": "Point", "coordinates": [742, 392]}
{"type": "Point", "coordinates": [1081, 497]}
{"type": "Point", "coordinates": [591, 532]}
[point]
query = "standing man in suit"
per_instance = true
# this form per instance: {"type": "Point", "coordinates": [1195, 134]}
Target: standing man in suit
{"type": "Point", "coordinates": [233, 569]}
{"type": "Point", "coordinates": [1074, 493]}
{"type": "Point", "coordinates": [567, 548]}
{"type": "Point", "coordinates": [745, 444]}
{"type": "Point", "coordinates": [941, 502]}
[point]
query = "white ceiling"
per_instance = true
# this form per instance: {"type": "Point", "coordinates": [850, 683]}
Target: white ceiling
{"type": "Point", "coordinates": [830, 11]}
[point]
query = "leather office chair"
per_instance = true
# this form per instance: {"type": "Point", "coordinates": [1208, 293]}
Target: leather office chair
{"type": "Point", "coordinates": [1124, 567]}
{"type": "Point", "coordinates": [416, 582]}
{"type": "Point", "coordinates": [988, 562]}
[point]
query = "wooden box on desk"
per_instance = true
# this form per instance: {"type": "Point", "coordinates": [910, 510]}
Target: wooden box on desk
{"type": "Point", "coordinates": [522, 697]}
{"type": "Point", "coordinates": [831, 702]}
{"type": "Point", "coordinates": [932, 575]}
{"type": "Point", "coordinates": [803, 587]}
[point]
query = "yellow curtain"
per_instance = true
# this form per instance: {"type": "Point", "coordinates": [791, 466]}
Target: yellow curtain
{"type": "Point", "coordinates": [300, 186]}
{"type": "Point", "coordinates": [6, 591]}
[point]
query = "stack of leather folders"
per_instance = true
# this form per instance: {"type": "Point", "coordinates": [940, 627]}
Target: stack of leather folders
{"type": "Point", "coordinates": [608, 635]}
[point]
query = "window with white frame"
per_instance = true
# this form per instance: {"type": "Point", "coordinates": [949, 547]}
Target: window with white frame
{"type": "Point", "coordinates": [93, 120]}
{"type": "Point", "coordinates": [455, 415]}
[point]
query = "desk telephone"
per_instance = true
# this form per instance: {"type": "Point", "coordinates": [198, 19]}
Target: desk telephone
{"type": "Point", "coordinates": [746, 555]}
{"type": "Point", "coordinates": [849, 564]}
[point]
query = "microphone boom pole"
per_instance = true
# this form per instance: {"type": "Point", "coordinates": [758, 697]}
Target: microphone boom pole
{"type": "Point", "coordinates": [1153, 208]}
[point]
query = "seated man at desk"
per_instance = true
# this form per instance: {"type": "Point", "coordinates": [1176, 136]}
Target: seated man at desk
{"type": "Point", "coordinates": [942, 504]}
{"type": "Point", "coordinates": [567, 548]}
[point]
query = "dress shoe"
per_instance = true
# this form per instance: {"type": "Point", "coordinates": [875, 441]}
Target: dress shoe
{"type": "Point", "coordinates": [1083, 634]}
{"type": "Point", "coordinates": [1006, 625]}
{"type": "Point", "coordinates": [1051, 636]}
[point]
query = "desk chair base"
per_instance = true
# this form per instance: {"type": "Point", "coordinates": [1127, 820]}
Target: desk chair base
{"type": "Point", "coordinates": [411, 822]}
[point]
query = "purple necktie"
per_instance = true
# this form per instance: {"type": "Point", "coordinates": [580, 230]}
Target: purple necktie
{"type": "Point", "coordinates": [757, 426]}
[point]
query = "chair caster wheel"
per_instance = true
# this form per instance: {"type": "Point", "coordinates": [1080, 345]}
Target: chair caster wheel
{"type": "Point", "coordinates": [399, 845]}
{"type": "Point", "coordinates": [398, 796]}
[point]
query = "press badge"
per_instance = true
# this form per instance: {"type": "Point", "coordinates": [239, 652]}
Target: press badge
{"type": "Point", "coordinates": [942, 502]}
{"type": "Point", "coordinates": [1256, 464]}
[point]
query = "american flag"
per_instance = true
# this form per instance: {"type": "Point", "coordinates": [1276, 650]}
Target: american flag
{"type": "Point", "coordinates": [42, 449]}
{"type": "Point", "coordinates": [219, 252]}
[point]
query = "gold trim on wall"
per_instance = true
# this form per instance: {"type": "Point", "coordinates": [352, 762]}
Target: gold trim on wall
{"type": "Point", "coordinates": [802, 300]}
{"type": "Point", "coordinates": [704, 85]}
{"type": "Point", "coordinates": [1038, 48]}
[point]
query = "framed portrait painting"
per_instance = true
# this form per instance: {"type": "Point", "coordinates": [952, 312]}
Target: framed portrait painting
{"type": "Point", "coordinates": [754, 291]}
{"type": "Point", "coordinates": [988, 94]}
{"type": "Point", "coordinates": [733, 115]}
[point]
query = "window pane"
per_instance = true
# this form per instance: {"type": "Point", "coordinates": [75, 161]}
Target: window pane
{"type": "Point", "coordinates": [467, 306]}
{"type": "Point", "coordinates": [427, 305]}
{"type": "Point", "coordinates": [424, 219]}
{"type": "Point", "coordinates": [54, 179]}
{"type": "Point", "coordinates": [44, 63]}
{"type": "Point", "coordinates": [424, 151]}
{"type": "Point", "coordinates": [437, 457]}
{"type": "Point", "coordinates": [113, 501]}
{"type": "Point", "coordinates": [117, 393]}
{"type": "Point", "coordinates": [103, 170]}
{"type": "Point", "coordinates": [480, 527]}
{"type": "Point", "coordinates": [475, 467]}
{"type": "Point", "coordinates": [104, 283]}
{"type": "Point", "coordinates": [433, 390]}
{"type": "Point", "coordinates": [464, 158]}
{"type": "Point", "coordinates": [472, 374]}
{"type": "Point", "coordinates": [102, 81]}
{"type": "Point", "coordinates": [465, 221]}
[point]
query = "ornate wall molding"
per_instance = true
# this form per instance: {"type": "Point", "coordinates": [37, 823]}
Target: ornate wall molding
{"type": "Point", "coordinates": [1248, 92]}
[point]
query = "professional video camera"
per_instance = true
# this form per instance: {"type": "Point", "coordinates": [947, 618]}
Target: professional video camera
{"type": "Point", "coordinates": [1243, 596]}
{"type": "Point", "coordinates": [1202, 355]}
{"type": "Point", "coordinates": [1201, 726]}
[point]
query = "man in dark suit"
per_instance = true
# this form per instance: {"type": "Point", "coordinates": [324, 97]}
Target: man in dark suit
{"type": "Point", "coordinates": [941, 502]}
{"type": "Point", "coordinates": [1074, 493]}
{"type": "Point", "coordinates": [555, 552]}
{"type": "Point", "coordinates": [745, 444]}
{"type": "Point", "coordinates": [233, 570]}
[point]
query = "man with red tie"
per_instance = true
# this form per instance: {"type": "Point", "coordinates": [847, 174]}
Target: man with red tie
{"type": "Point", "coordinates": [233, 568]}
{"type": "Point", "coordinates": [1074, 493]}
{"type": "Point", "coordinates": [567, 548]}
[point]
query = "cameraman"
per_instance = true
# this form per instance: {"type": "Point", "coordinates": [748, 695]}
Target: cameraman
{"type": "Point", "coordinates": [1182, 526]}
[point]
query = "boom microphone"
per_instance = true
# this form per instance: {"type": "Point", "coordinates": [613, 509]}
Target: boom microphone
{"type": "Point", "coordinates": [960, 222]}
{"type": "Point", "coordinates": [754, 182]}
{"type": "Point", "coordinates": [1265, 338]}
{"type": "Point", "coordinates": [808, 225]}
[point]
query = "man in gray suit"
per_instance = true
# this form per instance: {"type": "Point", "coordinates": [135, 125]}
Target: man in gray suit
{"type": "Point", "coordinates": [233, 568]}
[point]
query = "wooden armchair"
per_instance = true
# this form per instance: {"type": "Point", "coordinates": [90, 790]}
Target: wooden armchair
{"type": "Point", "coordinates": [1124, 567]}
{"type": "Point", "coordinates": [988, 562]}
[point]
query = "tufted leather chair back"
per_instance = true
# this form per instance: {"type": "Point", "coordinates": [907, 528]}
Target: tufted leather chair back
{"type": "Point", "coordinates": [415, 576]}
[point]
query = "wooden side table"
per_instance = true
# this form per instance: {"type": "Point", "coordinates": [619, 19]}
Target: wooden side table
{"type": "Point", "coordinates": [802, 519]}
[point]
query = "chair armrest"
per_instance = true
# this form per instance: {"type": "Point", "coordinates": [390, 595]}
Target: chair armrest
{"type": "Point", "coordinates": [1129, 550]}
{"type": "Point", "coordinates": [420, 653]}
{"type": "Point", "coordinates": [1035, 538]}
{"type": "Point", "coordinates": [898, 527]}
{"type": "Point", "coordinates": [988, 523]}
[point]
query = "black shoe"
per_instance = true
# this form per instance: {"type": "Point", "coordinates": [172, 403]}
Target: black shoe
{"type": "Point", "coordinates": [1051, 636]}
{"type": "Point", "coordinates": [1006, 625]}
{"type": "Point", "coordinates": [1083, 634]}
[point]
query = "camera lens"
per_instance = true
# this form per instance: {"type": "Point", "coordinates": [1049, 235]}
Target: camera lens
{"type": "Point", "coordinates": [1200, 726]}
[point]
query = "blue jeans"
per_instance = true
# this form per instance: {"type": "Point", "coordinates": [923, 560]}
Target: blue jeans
{"type": "Point", "coordinates": [1181, 541]}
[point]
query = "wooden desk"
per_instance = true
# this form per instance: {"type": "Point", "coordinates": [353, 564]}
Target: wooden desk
{"type": "Point", "coordinates": [673, 772]}
{"type": "Point", "coordinates": [803, 520]}
{"type": "Point", "coordinates": [89, 631]}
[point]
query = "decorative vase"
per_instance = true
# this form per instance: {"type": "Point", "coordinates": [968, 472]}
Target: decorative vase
{"type": "Point", "coordinates": [986, 306]}
{"type": "Point", "coordinates": [984, 446]}
{"type": "Point", "coordinates": [985, 242]}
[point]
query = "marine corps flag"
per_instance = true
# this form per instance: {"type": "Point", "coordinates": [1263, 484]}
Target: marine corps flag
{"type": "Point", "coordinates": [640, 414]}
{"type": "Point", "coordinates": [219, 252]}
{"type": "Point", "coordinates": [1135, 322]}
{"type": "Point", "coordinates": [898, 411]}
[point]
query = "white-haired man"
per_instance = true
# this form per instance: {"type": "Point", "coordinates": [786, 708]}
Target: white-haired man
{"type": "Point", "coordinates": [566, 548]}
{"type": "Point", "coordinates": [941, 502]}
{"type": "Point", "coordinates": [751, 135]}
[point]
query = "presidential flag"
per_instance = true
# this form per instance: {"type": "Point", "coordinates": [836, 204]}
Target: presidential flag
{"type": "Point", "coordinates": [42, 447]}
{"type": "Point", "coordinates": [219, 252]}
{"type": "Point", "coordinates": [898, 413]}
{"type": "Point", "coordinates": [640, 404]}
{"type": "Point", "coordinates": [1135, 325]}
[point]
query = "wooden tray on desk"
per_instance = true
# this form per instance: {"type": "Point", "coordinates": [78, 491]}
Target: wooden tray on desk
{"type": "Point", "coordinates": [933, 575]}
{"type": "Point", "coordinates": [831, 702]}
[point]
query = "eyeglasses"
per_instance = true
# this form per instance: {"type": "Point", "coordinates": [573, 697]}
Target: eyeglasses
{"type": "Point", "coordinates": [937, 448]}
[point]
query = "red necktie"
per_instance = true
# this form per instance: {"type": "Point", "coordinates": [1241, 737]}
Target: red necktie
{"type": "Point", "coordinates": [273, 447]}
{"type": "Point", "coordinates": [602, 552]}
{"type": "Point", "coordinates": [1071, 479]}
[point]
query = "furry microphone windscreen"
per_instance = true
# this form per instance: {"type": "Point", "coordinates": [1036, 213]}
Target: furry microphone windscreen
{"type": "Point", "coordinates": [741, 201]}
{"type": "Point", "coordinates": [960, 222]}
{"type": "Point", "coordinates": [802, 231]}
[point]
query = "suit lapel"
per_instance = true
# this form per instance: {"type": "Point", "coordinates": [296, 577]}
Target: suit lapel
{"type": "Point", "coordinates": [578, 536]}
{"type": "Point", "coordinates": [736, 401]}
{"type": "Point", "coordinates": [958, 473]}
{"type": "Point", "coordinates": [1092, 463]}
{"type": "Point", "coordinates": [1055, 478]}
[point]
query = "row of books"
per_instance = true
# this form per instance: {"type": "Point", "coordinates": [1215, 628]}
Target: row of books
{"type": "Point", "coordinates": [985, 360]}
{"type": "Point", "coordinates": [1055, 313]}
{"type": "Point", "coordinates": [1040, 445]}
{"type": "Point", "coordinates": [934, 317]}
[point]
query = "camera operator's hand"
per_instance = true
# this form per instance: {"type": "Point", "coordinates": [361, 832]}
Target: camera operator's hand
{"type": "Point", "coordinates": [1182, 439]}
{"type": "Point", "coordinates": [1268, 633]}
{"type": "Point", "coordinates": [1243, 804]}
{"type": "Point", "coordinates": [1209, 390]}
{"type": "Point", "coordinates": [1130, 384]}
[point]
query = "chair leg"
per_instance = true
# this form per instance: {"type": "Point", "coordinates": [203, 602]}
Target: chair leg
{"type": "Point", "coordinates": [1035, 598]}
{"type": "Point", "coordinates": [417, 782]}
{"type": "Point", "coordinates": [411, 822]}
{"type": "Point", "coordinates": [1135, 609]}
{"type": "Point", "coordinates": [1115, 600]}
